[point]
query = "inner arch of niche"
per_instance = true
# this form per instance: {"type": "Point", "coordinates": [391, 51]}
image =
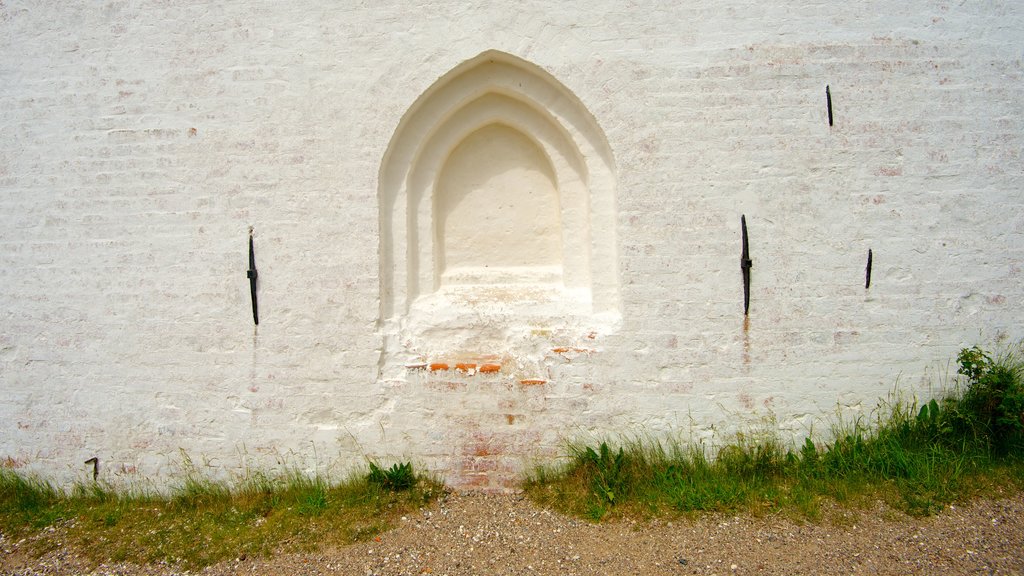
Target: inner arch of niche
{"type": "Point", "coordinates": [497, 201]}
{"type": "Point", "coordinates": [498, 218]}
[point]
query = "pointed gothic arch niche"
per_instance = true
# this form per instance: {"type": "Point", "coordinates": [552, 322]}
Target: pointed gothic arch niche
{"type": "Point", "coordinates": [497, 188]}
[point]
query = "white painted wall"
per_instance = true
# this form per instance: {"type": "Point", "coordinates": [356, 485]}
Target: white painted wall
{"type": "Point", "coordinates": [139, 142]}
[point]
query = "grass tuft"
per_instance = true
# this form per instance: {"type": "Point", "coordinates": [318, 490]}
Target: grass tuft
{"type": "Point", "coordinates": [203, 522]}
{"type": "Point", "coordinates": [916, 458]}
{"type": "Point", "coordinates": [28, 500]}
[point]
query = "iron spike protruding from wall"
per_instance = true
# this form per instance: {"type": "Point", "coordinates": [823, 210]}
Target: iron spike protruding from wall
{"type": "Point", "coordinates": [251, 274]}
{"type": "Point", "coordinates": [867, 272]}
{"type": "Point", "coordinates": [745, 265]}
{"type": "Point", "coordinates": [95, 467]}
{"type": "Point", "coordinates": [828, 103]}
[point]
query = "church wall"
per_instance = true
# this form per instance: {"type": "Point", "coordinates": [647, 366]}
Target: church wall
{"type": "Point", "coordinates": [141, 141]}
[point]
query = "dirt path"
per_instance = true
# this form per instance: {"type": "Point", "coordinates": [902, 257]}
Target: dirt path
{"type": "Point", "coordinates": [480, 534]}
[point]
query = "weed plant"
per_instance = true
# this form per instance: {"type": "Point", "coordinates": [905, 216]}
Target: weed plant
{"type": "Point", "coordinates": [202, 521]}
{"type": "Point", "coordinates": [916, 458]}
{"type": "Point", "coordinates": [398, 477]}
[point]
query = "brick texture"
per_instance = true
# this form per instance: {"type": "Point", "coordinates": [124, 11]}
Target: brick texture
{"type": "Point", "coordinates": [139, 142]}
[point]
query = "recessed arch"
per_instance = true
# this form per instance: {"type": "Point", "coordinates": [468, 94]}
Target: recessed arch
{"type": "Point", "coordinates": [496, 206]}
{"type": "Point", "coordinates": [515, 109]}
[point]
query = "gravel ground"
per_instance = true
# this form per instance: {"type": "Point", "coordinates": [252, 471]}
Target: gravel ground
{"type": "Point", "coordinates": [505, 534]}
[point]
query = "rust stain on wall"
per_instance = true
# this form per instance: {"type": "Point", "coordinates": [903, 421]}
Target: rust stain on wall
{"type": "Point", "coordinates": [746, 340]}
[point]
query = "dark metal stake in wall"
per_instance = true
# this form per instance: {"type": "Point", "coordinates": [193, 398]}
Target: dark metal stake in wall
{"type": "Point", "coordinates": [867, 272]}
{"type": "Point", "coordinates": [745, 265]}
{"type": "Point", "coordinates": [95, 467]}
{"type": "Point", "coordinates": [828, 102]}
{"type": "Point", "coordinates": [251, 274]}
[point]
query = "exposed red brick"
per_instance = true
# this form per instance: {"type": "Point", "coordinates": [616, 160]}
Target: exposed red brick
{"type": "Point", "coordinates": [565, 350]}
{"type": "Point", "coordinates": [465, 367]}
{"type": "Point", "coordinates": [490, 368]}
{"type": "Point", "coordinates": [532, 382]}
{"type": "Point", "coordinates": [438, 366]}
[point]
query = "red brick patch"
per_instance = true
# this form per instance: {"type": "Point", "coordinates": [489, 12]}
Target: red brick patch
{"type": "Point", "coordinates": [565, 350]}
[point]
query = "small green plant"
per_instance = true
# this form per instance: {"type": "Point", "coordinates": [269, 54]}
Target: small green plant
{"type": "Point", "coordinates": [607, 469]}
{"type": "Point", "coordinates": [808, 454]}
{"type": "Point", "coordinates": [397, 478]}
{"type": "Point", "coordinates": [992, 406]}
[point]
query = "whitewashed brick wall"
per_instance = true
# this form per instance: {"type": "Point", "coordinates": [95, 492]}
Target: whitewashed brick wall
{"type": "Point", "coordinates": [140, 140]}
